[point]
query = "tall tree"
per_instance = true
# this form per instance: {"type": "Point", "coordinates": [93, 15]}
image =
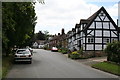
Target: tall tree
{"type": "Point", "coordinates": [18, 23]}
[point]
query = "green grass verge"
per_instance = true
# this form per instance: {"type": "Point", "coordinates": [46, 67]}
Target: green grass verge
{"type": "Point", "coordinates": [108, 67]}
{"type": "Point", "coordinates": [6, 64]}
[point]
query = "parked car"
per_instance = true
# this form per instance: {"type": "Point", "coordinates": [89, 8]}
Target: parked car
{"type": "Point", "coordinates": [54, 49]}
{"type": "Point", "coordinates": [31, 50]}
{"type": "Point", "coordinates": [23, 55]}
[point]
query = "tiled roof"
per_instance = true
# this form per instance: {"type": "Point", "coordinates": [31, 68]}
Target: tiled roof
{"type": "Point", "coordinates": [91, 18]}
{"type": "Point", "coordinates": [84, 21]}
{"type": "Point", "coordinates": [77, 26]}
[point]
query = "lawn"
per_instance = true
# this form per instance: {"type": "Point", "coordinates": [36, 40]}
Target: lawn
{"type": "Point", "coordinates": [6, 65]}
{"type": "Point", "coordinates": [108, 67]}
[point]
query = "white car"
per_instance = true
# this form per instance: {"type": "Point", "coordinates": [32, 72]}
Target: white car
{"type": "Point", "coordinates": [31, 50]}
{"type": "Point", "coordinates": [23, 55]}
{"type": "Point", "coordinates": [54, 49]}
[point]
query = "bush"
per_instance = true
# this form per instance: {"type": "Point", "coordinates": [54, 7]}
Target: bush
{"type": "Point", "coordinates": [74, 55]}
{"type": "Point", "coordinates": [80, 51]}
{"type": "Point", "coordinates": [84, 55]}
{"type": "Point", "coordinates": [46, 48]}
{"type": "Point", "coordinates": [63, 50]}
{"type": "Point", "coordinates": [113, 51]}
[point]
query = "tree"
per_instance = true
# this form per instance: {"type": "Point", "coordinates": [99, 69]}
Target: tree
{"type": "Point", "coordinates": [46, 34]}
{"type": "Point", "coordinates": [113, 51]}
{"type": "Point", "coordinates": [40, 35]}
{"type": "Point", "coordinates": [18, 24]}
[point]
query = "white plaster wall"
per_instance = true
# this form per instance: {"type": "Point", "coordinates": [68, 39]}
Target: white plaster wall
{"type": "Point", "coordinates": [91, 34]}
{"type": "Point", "coordinates": [106, 33]}
{"type": "Point", "coordinates": [89, 47]}
{"type": "Point", "coordinates": [104, 46]}
{"type": "Point", "coordinates": [77, 36]}
{"type": "Point", "coordinates": [81, 27]}
{"type": "Point", "coordinates": [98, 47]}
{"type": "Point", "coordinates": [113, 35]}
{"type": "Point", "coordinates": [88, 31]}
{"type": "Point", "coordinates": [92, 25]}
{"type": "Point", "coordinates": [83, 40]}
{"type": "Point", "coordinates": [98, 33]}
{"type": "Point", "coordinates": [98, 40]}
{"type": "Point", "coordinates": [97, 19]}
{"type": "Point", "coordinates": [83, 34]}
{"type": "Point", "coordinates": [106, 19]}
{"type": "Point", "coordinates": [105, 25]}
{"type": "Point", "coordinates": [111, 26]}
{"type": "Point", "coordinates": [98, 25]}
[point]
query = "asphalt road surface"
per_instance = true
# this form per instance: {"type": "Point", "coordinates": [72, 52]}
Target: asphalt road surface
{"type": "Point", "coordinates": [47, 64]}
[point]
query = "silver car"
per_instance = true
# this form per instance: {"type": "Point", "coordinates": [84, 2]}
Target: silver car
{"type": "Point", "coordinates": [23, 55]}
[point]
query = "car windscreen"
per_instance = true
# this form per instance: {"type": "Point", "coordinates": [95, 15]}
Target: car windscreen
{"type": "Point", "coordinates": [23, 52]}
{"type": "Point", "coordinates": [20, 51]}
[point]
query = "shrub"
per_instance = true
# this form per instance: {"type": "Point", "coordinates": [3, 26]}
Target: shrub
{"type": "Point", "coordinates": [63, 50]}
{"type": "Point", "coordinates": [74, 55]}
{"type": "Point", "coordinates": [113, 51]}
{"type": "Point", "coordinates": [80, 51]}
{"type": "Point", "coordinates": [46, 48]}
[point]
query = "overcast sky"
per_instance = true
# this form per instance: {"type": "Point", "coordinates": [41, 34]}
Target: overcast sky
{"type": "Point", "coordinates": [57, 14]}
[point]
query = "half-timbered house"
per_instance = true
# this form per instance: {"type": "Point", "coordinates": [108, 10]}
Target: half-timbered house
{"type": "Point", "coordinates": [94, 33]}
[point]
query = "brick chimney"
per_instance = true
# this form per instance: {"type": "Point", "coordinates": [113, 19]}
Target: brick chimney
{"type": "Point", "coordinates": [63, 31]}
{"type": "Point", "coordinates": [58, 34]}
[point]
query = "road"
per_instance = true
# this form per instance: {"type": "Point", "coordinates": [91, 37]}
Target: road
{"type": "Point", "coordinates": [47, 64]}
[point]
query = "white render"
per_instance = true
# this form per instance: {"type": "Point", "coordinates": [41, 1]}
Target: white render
{"type": "Point", "coordinates": [90, 47]}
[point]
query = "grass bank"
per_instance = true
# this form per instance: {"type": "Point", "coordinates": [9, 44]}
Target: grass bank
{"type": "Point", "coordinates": [108, 67]}
{"type": "Point", "coordinates": [6, 64]}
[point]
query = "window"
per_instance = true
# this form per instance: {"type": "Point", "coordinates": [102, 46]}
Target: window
{"type": "Point", "coordinates": [90, 40]}
{"type": "Point", "coordinates": [106, 40]}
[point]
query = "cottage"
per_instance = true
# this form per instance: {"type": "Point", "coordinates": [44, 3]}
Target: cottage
{"type": "Point", "coordinates": [94, 33]}
{"type": "Point", "coordinates": [39, 44]}
{"type": "Point", "coordinates": [35, 45]}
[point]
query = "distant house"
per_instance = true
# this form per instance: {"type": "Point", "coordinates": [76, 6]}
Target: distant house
{"type": "Point", "coordinates": [94, 33]}
{"type": "Point", "coordinates": [39, 44]}
{"type": "Point", "coordinates": [59, 40]}
{"type": "Point", "coordinates": [35, 45]}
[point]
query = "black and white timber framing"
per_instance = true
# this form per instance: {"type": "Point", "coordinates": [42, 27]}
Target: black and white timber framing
{"type": "Point", "coordinates": [94, 33]}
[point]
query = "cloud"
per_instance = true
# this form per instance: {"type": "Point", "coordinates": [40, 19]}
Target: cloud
{"type": "Point", "coordinates": [58, 14]}
{"type": "Point", "coordinates": [113, 12]}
